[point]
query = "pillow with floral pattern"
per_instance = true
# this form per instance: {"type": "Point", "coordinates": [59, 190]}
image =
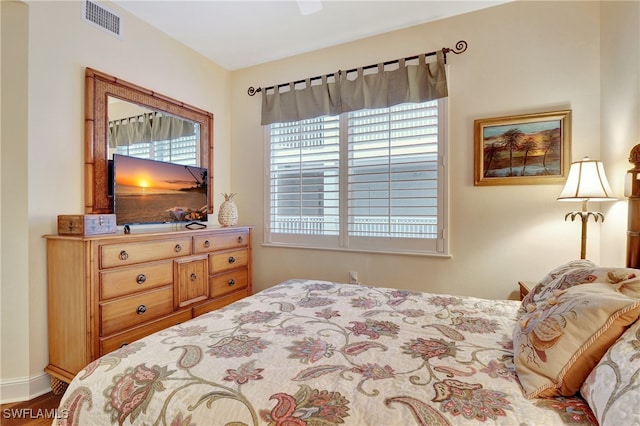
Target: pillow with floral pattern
{"type": "Point", "coordinates": [563, 334]}
{"type": "Point", "coordinates": [563, 276]}
{"type": "Point", "coordinates": [577, 272]}
{"type": "Point", "coordinates": [612, 389]}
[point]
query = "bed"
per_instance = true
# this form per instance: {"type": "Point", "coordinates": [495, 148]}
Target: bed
{"type": "Point", "coordinates": [308, 352]}
{"type": "Point", "coordinates": [323, 353]}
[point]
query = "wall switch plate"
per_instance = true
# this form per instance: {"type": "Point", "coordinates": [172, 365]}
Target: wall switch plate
{"type": "Point", "coordinates": [353, 277]}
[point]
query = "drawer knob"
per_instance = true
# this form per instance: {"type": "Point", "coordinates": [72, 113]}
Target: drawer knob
{"type": "Point", "coordinates": [141, 309]}
{"type": "Point", "coordinates": [124, 255]}
{"type": "Point", "coordinates": [232, 282]}
{"type": "Point", "coordinates": [140, 279]}
{"type": "Point", "coordinates": [232, 259]}
{"type": "Point", "coordinates": [178, 248]}
{"type": "Point", "coordinates": [240, 239]}
{"type": "Point", "coordinates": [207, 244]}
{"type": "Point", "coordinates": [193, 276]}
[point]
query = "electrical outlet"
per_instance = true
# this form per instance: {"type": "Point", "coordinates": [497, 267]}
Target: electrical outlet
{"type": "Point", "coordinates": [353, 277]}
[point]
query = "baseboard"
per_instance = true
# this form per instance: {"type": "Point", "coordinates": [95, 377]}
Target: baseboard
{"type": "Point", "coordinates": [24, 388]}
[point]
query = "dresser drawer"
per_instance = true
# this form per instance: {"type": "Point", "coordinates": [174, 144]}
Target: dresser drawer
{"type": "Point", "coordinates": [220, 262]}
{"type": "Point", "coordinates": [143, 251]}
{"type": "Point", "coordinates": [224, 241]}
{"type": "Point", "coordinates": [219, 302]}
{"type": "Point", "coordinates": [228, 282]}
{"type": "Point", "coordinates": [120, 282]}
{"type": "Point", "coordinates": [128, 312]}
{"type": "Point", "coordinates": [112, 343]}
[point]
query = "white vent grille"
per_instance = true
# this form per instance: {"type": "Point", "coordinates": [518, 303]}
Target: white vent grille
{"type": "Point", "coordinates": [102, 18]}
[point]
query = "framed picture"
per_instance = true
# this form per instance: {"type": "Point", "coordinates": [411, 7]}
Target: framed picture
{"type": "Point", "coordinates": [523, 149]}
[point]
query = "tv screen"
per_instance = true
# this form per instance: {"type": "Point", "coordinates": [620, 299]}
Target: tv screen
{"type": "Point", "coordinates": [149, 191]}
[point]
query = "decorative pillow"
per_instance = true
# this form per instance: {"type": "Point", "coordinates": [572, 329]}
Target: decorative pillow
{"type": "Point", "coordinates": [612, 387]}
{"type": "Point", "coordinates": [566, 269]}
{"type": "Point", "coordinates": [612, 275]}
{"type": "Point", "coordinates": [563, 276]}
{"type": "Point", "coordinates": [573, 273]}
{"type": "Point", "coordinates": [562, 336]}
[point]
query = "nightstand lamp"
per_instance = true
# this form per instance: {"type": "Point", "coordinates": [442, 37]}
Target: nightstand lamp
{"type": "Point", "coordinates": [586, 182]}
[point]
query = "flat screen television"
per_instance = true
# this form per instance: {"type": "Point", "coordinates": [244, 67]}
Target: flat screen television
{"type": "Point", "coordinates": [149, 191]}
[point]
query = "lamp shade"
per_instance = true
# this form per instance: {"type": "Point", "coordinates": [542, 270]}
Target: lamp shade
{"type": "Point", "coordinates": [586, 182]}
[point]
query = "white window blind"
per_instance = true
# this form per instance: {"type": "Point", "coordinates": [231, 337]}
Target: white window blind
{"type": "Point", "coordinates": [304, 178]}
{"type": "Point", "coordinates": [366, 180]}
{"type": "Point", "coordinates": [182, 150]}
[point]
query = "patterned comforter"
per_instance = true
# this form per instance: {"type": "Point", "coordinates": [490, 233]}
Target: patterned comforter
{"type": "Point", "coordinates": [321, 353]}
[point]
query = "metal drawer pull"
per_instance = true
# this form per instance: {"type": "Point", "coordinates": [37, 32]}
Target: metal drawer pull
{"type": "Point", "coordinates": [240, 239]}
{"type": "Point", "coordinates": [140, 279]}
{"type": "Point", "coordinates": [178, 248]}
{"type": "Point", "coordinates": [124, 344]}
{"type": "Point", "coordinates": [194, 277]}
{"type": "Point", "coordinates": [232, 259]}
{"type": "Point", "coordinates": [141, 309]}
{"type": "Point", "coordinates": [124, 255]}
{"type": "Point", "coordinates": [232, 282]}
{"type": "Point", "coordinates": [207, 244]}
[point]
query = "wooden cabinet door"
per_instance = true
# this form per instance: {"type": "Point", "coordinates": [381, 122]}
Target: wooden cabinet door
{"type": "Point", "coordinates": [191, 280]}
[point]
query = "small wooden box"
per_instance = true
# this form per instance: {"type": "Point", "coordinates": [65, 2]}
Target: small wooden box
{"type": "Point", "coordinates": [86, 224]}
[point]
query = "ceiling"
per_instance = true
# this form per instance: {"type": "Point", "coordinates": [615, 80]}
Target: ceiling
{"type": "Point", "coordinates": [237, 34]}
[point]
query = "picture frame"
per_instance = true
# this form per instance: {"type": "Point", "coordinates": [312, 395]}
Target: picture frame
{"type": "Point", "coordinates": [523, 149]}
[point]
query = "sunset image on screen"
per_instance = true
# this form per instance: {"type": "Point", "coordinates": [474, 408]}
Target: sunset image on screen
{"type": "Point", "coordinates": [148, 191]}
{"type": "Point", "coordinates": [157, 175]}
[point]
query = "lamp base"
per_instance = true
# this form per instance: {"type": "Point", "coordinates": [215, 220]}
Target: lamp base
{"type": "Point", "coordinates": [584, 217]}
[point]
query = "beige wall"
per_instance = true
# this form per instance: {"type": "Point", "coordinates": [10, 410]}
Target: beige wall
{"type": "Point", "coordinates": [48, 160]}
{"type": "Point", "coordinates": [523, 57]}
{"type": "Point", "coordinates": [14, 221]}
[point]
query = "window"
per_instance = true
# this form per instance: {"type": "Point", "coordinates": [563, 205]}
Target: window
{"type": "Point", "coordinates": [182, 150]}
{"type": "Point", "coordinates": [371, 180]}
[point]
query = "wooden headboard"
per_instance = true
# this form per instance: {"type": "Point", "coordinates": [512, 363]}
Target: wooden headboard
{"type": "Point", "coordinates": [633, 224]}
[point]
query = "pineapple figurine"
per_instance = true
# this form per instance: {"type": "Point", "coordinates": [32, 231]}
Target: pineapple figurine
{"type": "Point", "coordinates": [228, 213]}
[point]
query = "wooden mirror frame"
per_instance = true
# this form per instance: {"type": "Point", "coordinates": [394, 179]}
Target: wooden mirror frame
{"type": "Point", "coordinates": [98, 87]}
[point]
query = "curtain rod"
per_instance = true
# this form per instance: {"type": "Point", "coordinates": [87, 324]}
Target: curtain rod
{"type": "Point", "coordinates": [461, 46]}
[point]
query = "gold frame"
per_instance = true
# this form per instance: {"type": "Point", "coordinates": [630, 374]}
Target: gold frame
{"type": "Point", "coordinates": [551, 162]}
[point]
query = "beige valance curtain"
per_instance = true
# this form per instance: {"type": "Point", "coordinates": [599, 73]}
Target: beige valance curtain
{"type": "Point", "coordinates": [129, 131]}
{"type": "Point", "coordinates": [299, 104]}
{"type": "Point", "coordinates": [351, 91]}
{"type": "Point", "coordinates": [146, 128]}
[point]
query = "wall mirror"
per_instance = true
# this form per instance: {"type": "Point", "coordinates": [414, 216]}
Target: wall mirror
{"type": "Point", "coordinates": [103, 90]}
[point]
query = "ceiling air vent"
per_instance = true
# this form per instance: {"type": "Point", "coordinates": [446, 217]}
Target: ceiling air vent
{"type": "Point", "coordinates": [102, 18]}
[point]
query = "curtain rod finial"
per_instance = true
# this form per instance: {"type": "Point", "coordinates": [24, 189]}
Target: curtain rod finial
{"type": "Point", "coordinates": [252, 90]}
{"type": "Point", "coordinates": [461, 46]}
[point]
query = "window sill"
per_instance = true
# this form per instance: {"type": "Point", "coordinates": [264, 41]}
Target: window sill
{"type": "Point", "coordinates": [387, 252]}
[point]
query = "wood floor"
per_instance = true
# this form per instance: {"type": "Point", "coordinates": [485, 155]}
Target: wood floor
{"type": "Point", "coordinates": [40, 411]}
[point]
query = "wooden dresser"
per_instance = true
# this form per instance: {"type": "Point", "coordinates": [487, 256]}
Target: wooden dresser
{"type": "Point", "coordinates": [106, 291]}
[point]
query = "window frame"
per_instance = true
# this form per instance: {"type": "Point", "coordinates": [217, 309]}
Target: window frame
{"type": "Point", "coordinates": [343, 242]}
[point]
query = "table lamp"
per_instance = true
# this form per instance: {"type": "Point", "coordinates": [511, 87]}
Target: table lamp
{"type": "Point", "coordinates": [586, 182]}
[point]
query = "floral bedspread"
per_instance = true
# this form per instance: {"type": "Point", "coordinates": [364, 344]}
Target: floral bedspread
{"type": "Point", "coordinates": [321, 353]}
